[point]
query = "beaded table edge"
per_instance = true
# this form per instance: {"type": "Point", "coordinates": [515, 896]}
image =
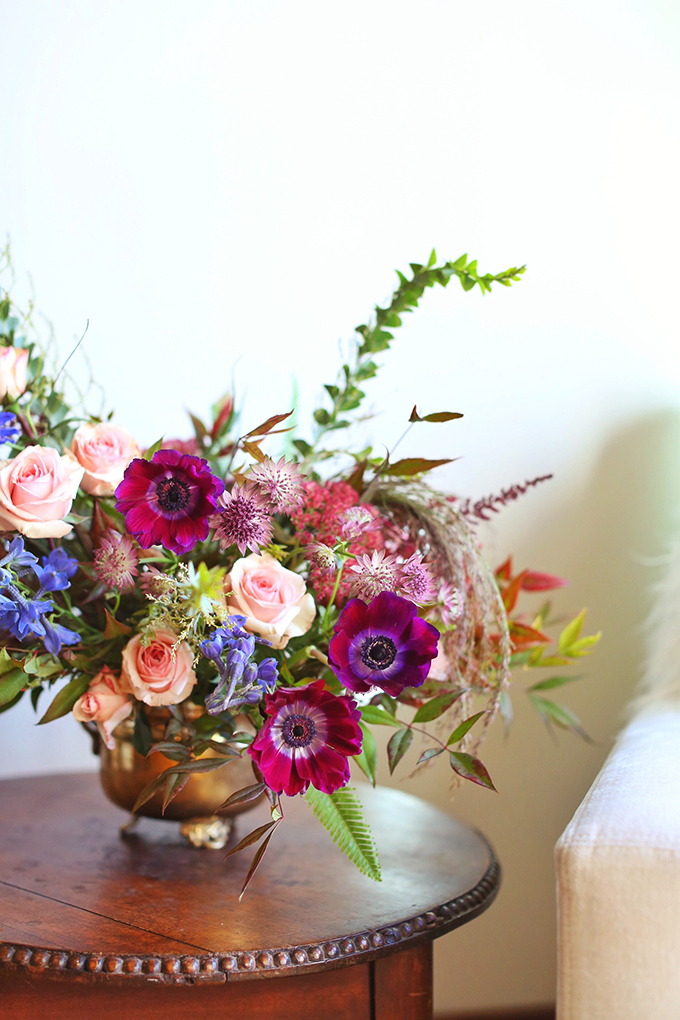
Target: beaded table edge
{"type": "Point", "coordinates": [196, 968]}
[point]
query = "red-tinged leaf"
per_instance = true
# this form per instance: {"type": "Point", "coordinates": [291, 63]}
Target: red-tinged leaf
{"type": "Point", "coordinates": [464, 727]}
{"type": "Point", "coordinates": [251, 838]}
{"type": "Point", "coordinates": [397, 747]}
{"type": "Point", "coordinates": [149, 790]}
{"type": "Point", "coordinates": [437, 706]}
{"type": "Point", "coordinates": [431, 752]}
{"type": "Point", "coordinates": [414, 466]}
{"type": "Point", "coordinates": [199, 428]}
{"type": "Point", "coordinates": [171, 749]}
{"type": "Point", "coordinates": [256, 860]}
{"type": "Point", "coordinates": [356, 479]}
{"type": "Point", "coordinates": [469, 767]}
{"type": "Point", "coordinates": [511, 593]}
{"type": "Point", "coordinates": [243, 796]}
{"type": "Point", "coordinates": [226, 405]}
{"type": "Point", "coordinates": [173, 786]}
{"type": "Point", "coordinates": [504, 572]}
{"type": "Point", "coordinates": [268, 425]}
{"type": "Point", "coordinates": [526, 637]}
{"type": "Point", "coordinates": [436, 416]}
{"type": "Point", "coordinates": [114, 628]}
{"type": "Point", "coordinates": [206, 764]}
{"type": "Point", "coordinates": [533, 581]}
{"type": "Point", "coordinates": [254, 450]}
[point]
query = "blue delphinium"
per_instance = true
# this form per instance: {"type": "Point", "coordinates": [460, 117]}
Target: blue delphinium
{"type": "Point", "coordinates": [23, 613]}
{"type": "Point", "coordinates": [9, 430]}
{"type": "Point", "coordinates": [242, 681]}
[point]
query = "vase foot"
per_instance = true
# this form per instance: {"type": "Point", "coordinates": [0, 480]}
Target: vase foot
{"type": "Point", "coordinates": [126, 829]}
{"type": "Point", "coordinates": [210, 833]}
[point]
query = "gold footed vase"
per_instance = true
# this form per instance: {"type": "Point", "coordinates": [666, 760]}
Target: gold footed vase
{"type": "Point", "coordinates": [125, 773]}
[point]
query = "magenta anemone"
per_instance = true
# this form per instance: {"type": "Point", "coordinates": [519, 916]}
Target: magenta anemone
{"type": "Point", "coordinates": [383, 644]}
{"type": "Point", "coordinates": [307, 738]}
{"type": "Point", "coordinates": [167, 500]}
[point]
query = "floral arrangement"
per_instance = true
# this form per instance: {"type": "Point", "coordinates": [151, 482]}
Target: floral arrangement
{"type": "Point", "coordinates": [298, 598]}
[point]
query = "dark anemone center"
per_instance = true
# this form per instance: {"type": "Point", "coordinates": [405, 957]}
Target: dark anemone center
{"type": "Point", "coordinates": [298, 730]}
{"type": "Point", "coordinates": [378, 652]}
{"type": "Point", "coordinates": [173, 494]}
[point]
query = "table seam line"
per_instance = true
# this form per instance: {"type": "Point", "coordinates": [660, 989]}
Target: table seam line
{"type": "Point", "coordinates": [95, 913]}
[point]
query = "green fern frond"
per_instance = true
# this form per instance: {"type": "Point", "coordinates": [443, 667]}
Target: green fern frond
{"type": "Point", "coordinates": [341, 814]}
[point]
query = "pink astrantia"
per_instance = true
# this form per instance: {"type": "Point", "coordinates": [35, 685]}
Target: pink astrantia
{"type": "Point", "coordinates": [307, 739]}
{"type": "Point", "coordinates": [167, 500]}
{"type": "Point", "coordinates": [281, 483]}
{"type": "Point", "coordinates": [355, 521]}
{"type": "Point", "coordinates": [374, 574]}
{"type": "Point", "coordinates": [416, 582]}
{"type": "Point", "coordinates": [243, 519]}
{"type": "Point", "coordinates": [115, 561]}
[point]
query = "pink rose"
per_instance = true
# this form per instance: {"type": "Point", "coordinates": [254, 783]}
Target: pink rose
{"type": "Point", "coordinates": [104, 450]}
{"type": "Point", "coordinates": [440, 667]}
{"type": "Point", "coordinates": [273, 600]}
{"type": "Point", "coordinates": [13, 363]}
{"type": "Point", "coordinates": [36, 491]}
{"type": "Point", "coordinates": [104, 703]}
{"type": "Point", "coordinates": [159, 673]}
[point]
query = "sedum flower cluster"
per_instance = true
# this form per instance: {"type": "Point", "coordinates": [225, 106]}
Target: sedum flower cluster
{"type": "Point", "coordinates": [307, 594]}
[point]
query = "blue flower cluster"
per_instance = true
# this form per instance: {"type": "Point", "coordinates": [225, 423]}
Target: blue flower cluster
{"type": "Point", "coordinates": [242, 682]}
{"type": "Point", "coordinates": [9, 430]}
{"type": "Point", "coordinates": [24, 613]}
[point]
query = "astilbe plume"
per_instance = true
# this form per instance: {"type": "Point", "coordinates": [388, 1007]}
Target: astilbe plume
{"type": "Point", "coordinates": [491, 504]}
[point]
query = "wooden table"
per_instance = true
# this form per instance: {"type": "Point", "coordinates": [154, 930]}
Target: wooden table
{"type": "Point", "coordinates": [95, 925]}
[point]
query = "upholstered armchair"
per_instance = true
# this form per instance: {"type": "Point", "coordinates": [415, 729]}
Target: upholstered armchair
{"type": "Point", "coordinates": [618, 861]}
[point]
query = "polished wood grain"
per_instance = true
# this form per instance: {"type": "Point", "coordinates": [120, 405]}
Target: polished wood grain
{"type": "Point", "coordinates": [80, 907]}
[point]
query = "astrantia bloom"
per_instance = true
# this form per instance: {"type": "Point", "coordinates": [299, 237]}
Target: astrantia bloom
{"type": "Point", "coordinates": [307, 738]}
{"type": "Point", "coordinates": [281, 482]}
{"type": "Point", "coordinates": [243, 519]}
{"type": "Point", "coordinates": [383, 644]}
{"type": "Point", "coordinates": [375, 574]}
{"type": "Point", "coordinates": [167, 500]}
{"type": "Point", "coordinates": [417, 582]}
{"type": "Point", "coordinates": [115, 561]}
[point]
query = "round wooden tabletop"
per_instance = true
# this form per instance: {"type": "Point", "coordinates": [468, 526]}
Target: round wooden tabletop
{"type": "Point", "coordinates": [78, 898]}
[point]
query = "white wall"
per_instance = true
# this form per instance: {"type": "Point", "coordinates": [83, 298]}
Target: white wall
{"type": "Point", "coordinates": [232, 183]}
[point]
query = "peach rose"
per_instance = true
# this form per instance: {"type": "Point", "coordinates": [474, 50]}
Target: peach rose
{"type": "Point", "coordinates": [104, 450]}
{"type": "Point", "coordinates": [158, 673]}
{"type": "Point", "coordinates": [13, 363]}
{"type": "Point", "coordinates": [36, 491]}
{"type": "Point", "coordinates": [104, 703]}
{"type": "Point", "coordinates": [273, 600]}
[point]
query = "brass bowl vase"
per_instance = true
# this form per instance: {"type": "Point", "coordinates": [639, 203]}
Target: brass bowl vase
{"type": "Point", "coordinates": [124, 773]}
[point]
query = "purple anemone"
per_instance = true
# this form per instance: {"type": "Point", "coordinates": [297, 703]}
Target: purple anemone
{"type": "Point", "coordinates": [383, 644]}
{"type": "Point", "coordinates": [307, 738]}
{"type": "Point", "coordinates": [167, 500]}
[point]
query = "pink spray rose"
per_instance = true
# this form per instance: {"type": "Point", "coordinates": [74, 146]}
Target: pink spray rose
{"type": "Point", "coordinates": [13, 362]}
{"type": "Point", "coordinates": [37, 488]}
{"type": "Point", "coordinates": [104, 703]}
{"type": "Point", "coordinates": [274, 601]}
{"type": "Point", "coordinates": [159, 673]}
{"type": "Point", "coordinates": [104, 450]}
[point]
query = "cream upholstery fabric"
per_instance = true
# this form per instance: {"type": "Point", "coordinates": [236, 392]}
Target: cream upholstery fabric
{"type": "Point", "coordinates": [618, 878]}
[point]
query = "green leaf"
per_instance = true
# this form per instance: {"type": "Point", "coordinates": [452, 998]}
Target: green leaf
{"type": "Point", "coordinates": [368, 759]}
{"type": "Point", "coordinates": [436, 416]}
{"type": "Point", "coordinates": [464, 727]}
{"type": "Point", "coordinates": [397, 747]}
{"type": "Point", "coordinates": [583, 646]}
{"type": "Point", "coordinates": [7, 663]}
{"type": "Point", "coordinates": [66, 699]}
{"type": "Point", "coordinates": [378, 717]}
{"type": "Point", "coordinates": [431, 752]}
{"type": "Point", "coordinates": [252, 837]}
{"type": "Point", "coordinates": [148, 454]}
{"type": "Point", "coordinates": [11, 684]}
{"type": "Point", "coordinates": [342, 815]}
{"type": "Point", "coordinates": [469, 767]}
{"type": "Point", "coordinates": [437, 706]}
{"type": "Point", "coordinates": [17, 698]}
{"type": "Point", "coordinates": [414, 466]}
{"type": "Point", "coordinates": [432, 259]}
{"type": "Point", "coordinates": [571, 632]}
{"type": "Point", "coordinates": [559, 715]}
{"type": "Point", "coordinates": [554, 681]}
{"type": "Point", "coordinates": [142, 738]}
